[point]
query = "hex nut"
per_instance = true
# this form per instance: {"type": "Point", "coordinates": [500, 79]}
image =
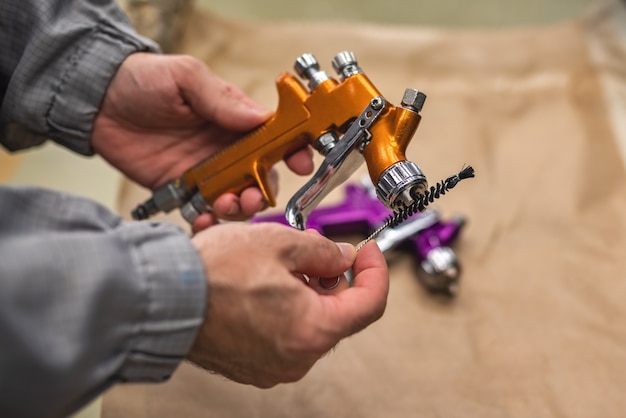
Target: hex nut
{"type": "Point", "coordinates": [413, 99]}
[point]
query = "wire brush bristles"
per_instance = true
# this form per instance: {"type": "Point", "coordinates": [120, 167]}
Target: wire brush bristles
{"type": "Point", "coordinates": [422, 200]}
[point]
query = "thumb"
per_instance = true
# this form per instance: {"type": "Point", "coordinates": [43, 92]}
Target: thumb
{"type": "Point", "coordinates": [317, 256]}
{"type": "Point", "coordinates": [219, 101]}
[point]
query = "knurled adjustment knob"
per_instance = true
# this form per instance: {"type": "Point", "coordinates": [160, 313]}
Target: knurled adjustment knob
{"type": "Point", "coordinates": [397, 185]}
{"type": "Point", "coordinates": [307, 67]}
{"type": "Point", "coordinates": [346, 65]}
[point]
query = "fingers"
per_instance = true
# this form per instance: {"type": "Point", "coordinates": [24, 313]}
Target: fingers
{"type": "Point", "coordinates": [231, 207]}
{"type": "Point", "coordinates": [235, 208]}
{"type": "Point", "coordinates": [355, 308]}
{"type": "Point", "coordinates": [328, 285]}
{"type": "Point", "coordinates": [238, 208]}
{"type": "Point", "coordinates": [301, 162]}
{"type": "Point", "coordinates": [228, 207]}
{"type": "Point", "coordinates": [315, 255]}
{"type": "Point", "coordinates": [286, 325]}
{"type": "Point", "coordinates": [203, 222]}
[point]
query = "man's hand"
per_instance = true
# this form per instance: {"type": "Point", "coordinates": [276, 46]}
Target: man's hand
{"type": "Point", "coordinates": [264, 325]}
{"type": "Point", "coordinates": [162, 114]}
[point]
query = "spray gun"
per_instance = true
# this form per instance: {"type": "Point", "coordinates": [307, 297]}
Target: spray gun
{"type": "Point", "coordinates": [346, 120]}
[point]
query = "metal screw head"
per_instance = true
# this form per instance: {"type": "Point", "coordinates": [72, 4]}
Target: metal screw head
{"type": "Point", "coordinates": [376, 103]}
{"type": "Point", "coordinates": [413, 99]}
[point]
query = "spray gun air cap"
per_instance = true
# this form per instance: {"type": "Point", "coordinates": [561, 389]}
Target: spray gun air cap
{"type": "Point", "coordinates": [398, 185]}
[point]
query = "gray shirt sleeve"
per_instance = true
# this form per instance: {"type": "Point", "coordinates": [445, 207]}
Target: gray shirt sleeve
{"type": "Point", "coordinates": [57, 58]}
{"type": "Point", "coordinates": [88, 300]}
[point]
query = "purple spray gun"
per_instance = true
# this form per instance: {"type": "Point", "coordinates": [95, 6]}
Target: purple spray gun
{"type": "Point", "coordinates": [362, 212]}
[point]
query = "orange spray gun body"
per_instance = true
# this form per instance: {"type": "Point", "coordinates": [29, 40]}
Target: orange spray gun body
{"type": "Point", "coordinates": [348, 121]}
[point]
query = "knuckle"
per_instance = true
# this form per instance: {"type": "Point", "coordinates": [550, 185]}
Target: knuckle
{"type": "Point", "coordinates": [190, 62]}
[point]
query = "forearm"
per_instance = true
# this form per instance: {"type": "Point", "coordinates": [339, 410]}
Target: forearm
{"type": "Point", "coordinates": [58, 57]}
{"type": "Point", "coordinates": [87, 300]}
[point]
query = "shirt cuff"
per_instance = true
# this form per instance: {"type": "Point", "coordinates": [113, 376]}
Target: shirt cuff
{"type": "Point", "coordinates": [84, 83]}
{"type": "Point", "coordinates": [176, 291]}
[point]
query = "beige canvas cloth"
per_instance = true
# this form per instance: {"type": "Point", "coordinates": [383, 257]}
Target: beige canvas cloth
{"type": "Point", "coordinates": [538, 328]}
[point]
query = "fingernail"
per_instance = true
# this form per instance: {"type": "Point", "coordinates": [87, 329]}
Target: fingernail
{"type": "Point", "coordinates": [348, 250]}
{"type": "Point", "coordinates": [233, 210]}
{"type": "Point", "coordinates": [261, 111]}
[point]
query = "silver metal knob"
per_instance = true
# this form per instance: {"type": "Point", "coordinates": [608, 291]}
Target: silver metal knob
{"type": "Point", "coordinates": [346, 65]}
{"type": "Point", "coordinates": [413, 100]}
{"type": "Point", "coordinates": [308, 68]}
{"type": "Point", "coordinates": [194, 208]}
{"type": "Point", "coordinates": [325, 143]}
{"type": "Point", "coordinates": [442, 270]}
{"type": "Point", "coordinates": [398, 182]}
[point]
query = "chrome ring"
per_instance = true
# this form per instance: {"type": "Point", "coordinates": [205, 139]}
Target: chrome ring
{"type": "Point", "coordinates": [331, 287]}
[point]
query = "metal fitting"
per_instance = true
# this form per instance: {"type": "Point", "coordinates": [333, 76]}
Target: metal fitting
{"type": "Point", "coordinates": [442, 270]}
{"type": "Point", "coordinates": [377, 103]}
{"type": "Point", "coordinates": [346, 65]}
{"type": "Point", "coordinates": [413, 100]}
{"type": "Point", "coordinates": [194, 208]}
{"type": "Point", "coordinates": [308, 68]}
{"type": "Point", "coordinates": [398, 182]}
{"type": "Point", "coordinates": [325, 143]}
{"type": "Point", "coordinates": [166, 198]}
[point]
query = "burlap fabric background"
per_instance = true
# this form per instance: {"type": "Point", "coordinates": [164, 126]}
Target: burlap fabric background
{"type": "Point", "coordinates": [537, 329]}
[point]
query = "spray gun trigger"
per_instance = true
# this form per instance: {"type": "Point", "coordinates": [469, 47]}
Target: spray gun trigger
{"type": "Point", "coordinates": [340, 162]}
{"type": "Point", "coordinates": [262, 179]}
